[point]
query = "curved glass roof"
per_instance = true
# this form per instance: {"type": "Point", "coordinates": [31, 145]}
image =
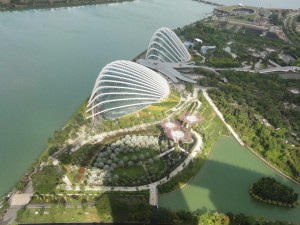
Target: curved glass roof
{"type": "Point", "coordinates": [165, 46]}
{"type": "Point", "coordinates": [123, 87]}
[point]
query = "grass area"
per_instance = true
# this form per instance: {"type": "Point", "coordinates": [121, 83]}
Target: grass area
{"type": "Point", "coordinates": [123, 207]}
{"type": "Point", "coordinates": [59, 214]}
{"type": "Point", "coordinates": [212, 126]}
{"type": "Point", "coordinates": [158, 165]}
{"type": "Point", "coordinates": [134, 171]}
{"type": "Point", "coordinates": [166, 104]}
{"type": "Point", "coordinates": [151, 113]}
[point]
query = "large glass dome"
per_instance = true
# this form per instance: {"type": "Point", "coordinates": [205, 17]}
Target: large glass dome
{"type": "Point", "coordinates": [123, 87]}
{"type": "Point", "coordinates": [165, 46]}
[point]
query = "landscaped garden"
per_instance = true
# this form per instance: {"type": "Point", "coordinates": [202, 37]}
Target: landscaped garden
{"type": "Point", "coordinates": [152, 113]}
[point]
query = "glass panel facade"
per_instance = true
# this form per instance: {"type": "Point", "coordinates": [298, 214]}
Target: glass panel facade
{"type": "Point", "coordinates": [124, 87]}
{"type": "Point", "coordinates": [165, 46]}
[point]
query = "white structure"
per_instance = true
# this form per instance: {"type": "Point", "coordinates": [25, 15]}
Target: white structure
{"type": "Point", "coordinates": [123, 87]}
{"type": "Point", "coordinates": [198, 40]}
{"type": "Point", "coordinates": [165, 46]}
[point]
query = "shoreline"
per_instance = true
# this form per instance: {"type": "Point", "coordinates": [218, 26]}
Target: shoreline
{"type": "Point", "coordinates": [45, 151]}
{"type": "Point", "coordinates": [48, 5]}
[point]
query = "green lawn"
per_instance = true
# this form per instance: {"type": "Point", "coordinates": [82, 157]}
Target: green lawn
{"type": "Point", "coordinates": [134, 171]}
{"type": "Point", "coordinates": [59, 214]}
{"type": "Point", "coordinates": [151, 113]}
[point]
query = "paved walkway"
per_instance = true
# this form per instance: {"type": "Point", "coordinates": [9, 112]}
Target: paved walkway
{"type": "Point", "coordinates": [153, 198]}
{"type": "Point", "coordinates": [222, 117]}
{"type": "Point", "coordinates": [17, 201]}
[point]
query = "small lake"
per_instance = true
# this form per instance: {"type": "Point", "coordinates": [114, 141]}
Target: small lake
{"type": "Point", "coordinates": [223, 183]}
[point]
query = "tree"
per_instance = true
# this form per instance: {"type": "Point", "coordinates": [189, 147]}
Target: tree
{"type": "Point", "coordinates": [65, 158]}
{"type": "Point", "coordinates": [213, 219]}
{"type": "Point", "coordinates": [46, 180]}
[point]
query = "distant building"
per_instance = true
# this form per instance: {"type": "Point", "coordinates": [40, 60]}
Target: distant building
{"type": "Point", "coordinates": [188, 44]}
{"type": "Point", "coordinates": [198, 40]}
{"type": "Point", "coordinates": [204, 49]}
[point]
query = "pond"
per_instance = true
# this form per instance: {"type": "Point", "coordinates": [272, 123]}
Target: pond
{"type": "Point", "coordinates": [223, 183]}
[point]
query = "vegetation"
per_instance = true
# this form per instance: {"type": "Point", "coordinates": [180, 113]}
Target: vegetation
{"type": "Point", "coordinates": [138, 211]}
{"type": "Point", "coordinates": [123, 208]}
{"type": "Point", "coordinates": [271, 191]}
{"type": "Point", "coordinates": [213, 219]}
{"type": "Point", "coordinates": [274, 19]}
{"type": "Point", "coordinates": [131, 160]}
{"type": "Point", "coordinates": [4, 206]}
{"type": "Point", "coordinates": [46, 180]}
{"type": "Point", "coordinates": [239, 39]}
{"type": "Point", "coordinates": [152, 113]}
{"type": "Point", "coordinates": [22, 4]}
{"type": "Point", "coordinates": [69, 131]}
{"type": "Point", "coordinates": [290, 30]}
{"type": "Point", "coordinates": [268, 124]}
{"type": "Point", "coordinates": [58, 213]}
{"type": "Point", "coordinates": [210, 129]}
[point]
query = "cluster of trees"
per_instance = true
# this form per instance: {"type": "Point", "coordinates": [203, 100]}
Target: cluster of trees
{"type": "Point", "coordinates": [123, 207]}
{"type": "Point", "coordinates": [69, 131]}
{"type": "Point", "coordinates": [254, 106]}
{"type": "Point", "coordinates": [274, 19]}
{"type": "Point", "coordinates": [269, 190]}
{"type": "Point", "coordinates": [183, 177]}
{"type": "Point", "coordinates": [111, 157]}
{"type": "Point", "coordinates": [218, 35]}
{"type": "Point", "coordinates": [46, 180]}
{"type": "Point", "coordinates": [81, 157]}
{"type": "Point", "coordinates": [13, 4]}
{"type": "Point", "coordinates": [165, 216]}
{"type": "Point", "coordinates": [129, 152]}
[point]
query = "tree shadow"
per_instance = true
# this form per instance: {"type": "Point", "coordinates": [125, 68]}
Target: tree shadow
{"type": "Point", "coordinates": [225, 188]}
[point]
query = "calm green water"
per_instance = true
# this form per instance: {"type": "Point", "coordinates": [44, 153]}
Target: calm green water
{"type": "Point", "coordinates": [49, 60]}
{"type": "Point", "coordinates": [223, 183]}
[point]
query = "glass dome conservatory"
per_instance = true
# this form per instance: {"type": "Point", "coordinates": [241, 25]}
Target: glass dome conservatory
{"type": "Point", "coordinates": [124, 87]}
{"type": "Point", "coordinates": [165, 46]}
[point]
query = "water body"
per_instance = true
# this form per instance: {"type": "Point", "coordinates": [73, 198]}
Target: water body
{"type": "Point", "coordinates": [50, 58]}
{"type": "Point", "coordinates": [287, 4]}
{"type": "Point", "coordinates": [223, 184]}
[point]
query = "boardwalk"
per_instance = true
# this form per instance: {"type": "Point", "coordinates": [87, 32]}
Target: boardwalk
{"type": "Point", "coordinates": [153, 197]}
